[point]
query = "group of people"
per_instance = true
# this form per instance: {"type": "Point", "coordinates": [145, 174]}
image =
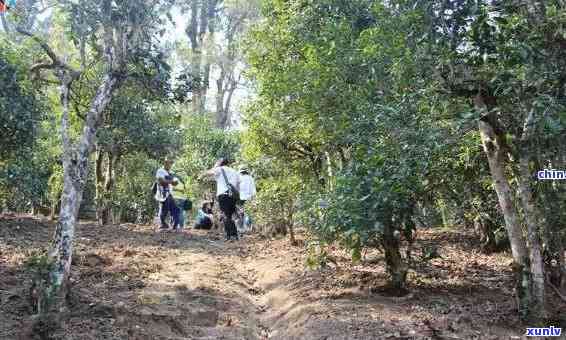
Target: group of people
{"type": "Point", "coordinates": [233, 190]}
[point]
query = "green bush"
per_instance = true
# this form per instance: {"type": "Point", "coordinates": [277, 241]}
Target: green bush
{"type": "Point", "coordinates": [24, 182]}
{"type": "Point", "coordinates": [203, 145]}
{"type": "Point", "coordinates": [132, 198]}
{"type": "Point", "coordinates": [274, 207]}
{"type": "Point", "coordinates": [39, 266]}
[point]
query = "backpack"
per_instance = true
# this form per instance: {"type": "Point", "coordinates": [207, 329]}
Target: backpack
{"type": "Point", "coordinates": [187, 205]}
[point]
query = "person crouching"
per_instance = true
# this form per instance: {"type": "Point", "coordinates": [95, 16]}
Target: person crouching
{"type": "Point", "coordinates": [204, 217]}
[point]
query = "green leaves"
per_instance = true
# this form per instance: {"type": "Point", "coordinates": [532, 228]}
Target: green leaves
{"type": "Point", "coordinates": [203, 144]}
{"type": "Point", "coordinates": [135, 123]}
{"type": "Point", "coordinates": [24, 157]}
{"type": "Point", "coordinates": [343, 103]}
{"type": "Point", "coordinates": [20, 106]}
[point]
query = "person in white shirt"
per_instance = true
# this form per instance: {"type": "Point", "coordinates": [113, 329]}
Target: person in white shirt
{"type": "Point", "coordinates": [167, 206]}
{"type": "Point", "coordinates": [247, 185]}
{"type": "Point", "coordinates": [247, 192]}
{"type": "Point", "coordinates": [222, 174]}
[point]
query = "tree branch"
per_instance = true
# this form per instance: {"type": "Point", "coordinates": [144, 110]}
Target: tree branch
{"type": "Point", "coordinates": [48, 81]}
{"type": "Point", "coordinates": [43, 65]}
{"type": "Point", "coordinates": [529, 125]}
{"type": "Point", "coordinates": [43, 45]}
{"type": "Point", "coordinates": [56, 61]}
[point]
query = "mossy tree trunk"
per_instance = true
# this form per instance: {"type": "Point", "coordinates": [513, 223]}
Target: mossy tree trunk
{"type": "Point", "coordinates": [75, 173]}
{"type": "Point", "coordinates": [396, 266]}
{"type": "Point", "coordinates": [105, 179]}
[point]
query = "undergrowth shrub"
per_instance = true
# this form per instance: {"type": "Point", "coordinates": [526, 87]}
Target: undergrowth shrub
{"type": "Point", "coordinates": [273, 210]}
{"type": "Point", "coordinates": [39, 265]}
{"type": "Point", "coordinates": [132, 198]}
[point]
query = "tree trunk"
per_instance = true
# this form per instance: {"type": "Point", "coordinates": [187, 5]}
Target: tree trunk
{"type": "Point", "coordinates": [206, 37]}
{"type": "Point", "coordinates": [495, 157]}
{"type": "Point", "coordinates": [211, 21]}
{"type": "Point", "coordinates": [53, 296]}
{"type": "Point", "coordinates": [292, 238]}
{"type": "Point", "coordinates": [53, 208]}
{"type": "Point", "coordinates": [537, 305]}
{"type": "Point", "coordinates": [193, 33]}
{"type": "Point", "coordinates": [99, 195]}
{"type": "Point", "coordinates": [233, 84]}
{"type": "Point", "coordinates": [560, 191]}
{"type": "Point", "coordinates": [531, 214]}
{"type": "Point", "coordinates": [105, 205]}
{"type": "Point", "coordinates": [197, 88]}
{"type": "Point", "coordinates": [220, 93]}
{"type": "Point", "coordinates": [396, 267]}
{"type": "Point", "coordinates": [109, 186]}
{"type": "Point", "coordinates": [562, 264]}
{"type": "Point", "coordinates": [494, 150]}
{"type": "Point", "coordinates": [75, 172]}
{"type": "Point", "coordinates": [329, 171]}
{"type": "Point", "coordinates": [227, 82]}
{"type": "Point", "coordinates": [105, 180]}
{"type": "Point", "coordinates": [291, 225]}
{"type": "Point", "coordinates": [197, 31]}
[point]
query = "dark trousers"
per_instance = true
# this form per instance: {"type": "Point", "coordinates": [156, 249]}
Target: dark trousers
{"type": "Point", "coordinates": [204, 223]}
{"type": "Point", "coordinates": [228, 207]}
{"type": "Point", "coordinates": [240, 213]}
{"type": "Point", "coordinates": [168, 208]}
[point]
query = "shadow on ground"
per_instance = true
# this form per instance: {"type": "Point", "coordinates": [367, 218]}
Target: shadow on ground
{"type": "Point", "coordinates": [129, 282]}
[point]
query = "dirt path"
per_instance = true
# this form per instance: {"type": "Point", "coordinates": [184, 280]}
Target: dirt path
{"type": "Point", "coordinates": [132, 283]}
{"type": "Point", "coordinates": [202, 292]}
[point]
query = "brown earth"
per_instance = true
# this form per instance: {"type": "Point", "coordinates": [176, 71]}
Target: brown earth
{"type": "Point", "coordinates": [129, 282]}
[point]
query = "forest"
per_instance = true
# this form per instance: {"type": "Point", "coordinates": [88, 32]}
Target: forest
{"type": "Point", "coordinates": [409, 156]}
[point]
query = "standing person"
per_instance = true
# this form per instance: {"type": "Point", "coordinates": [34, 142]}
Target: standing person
{"type": "Point", "coordinates": [182, 202]}
{"type": "Point", "coordinates": [227, 186]}
{"type": "Point", "coordinates": [184, 206]}
{"type": "Point", "coordinates": [163, 194]}
{"type": "Point", "coordinates": [247, 192]}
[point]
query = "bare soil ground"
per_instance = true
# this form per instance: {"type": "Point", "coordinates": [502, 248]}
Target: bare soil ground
{"type": "Point", "coordinates": [129, 282]}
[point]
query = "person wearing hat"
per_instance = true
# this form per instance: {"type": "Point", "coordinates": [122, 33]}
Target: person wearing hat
{"type": "Point", "coordinates": [247, 192]}
{"type": "Point", "coordinates": [163, 195]}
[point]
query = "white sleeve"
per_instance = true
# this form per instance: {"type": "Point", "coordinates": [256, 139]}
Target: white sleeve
{"type": "Point", "coordinates": [217, 172]}
{"type": "Point", "coordinates": [238, 180]}
{"type": "Point", "coordinates": [160, 174]}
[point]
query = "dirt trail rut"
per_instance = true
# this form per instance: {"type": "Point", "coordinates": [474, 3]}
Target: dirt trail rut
{"type": "Point", "coordinates": [129, 282]}
{"type": "Point", "coordinates": [205, 291]}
